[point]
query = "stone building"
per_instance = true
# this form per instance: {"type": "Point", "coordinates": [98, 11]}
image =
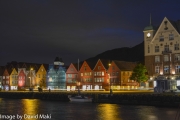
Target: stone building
{"type": "Point", "coordinates": [161, 50]}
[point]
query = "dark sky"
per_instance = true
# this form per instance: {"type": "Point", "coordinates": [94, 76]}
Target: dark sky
{"type": "Point", "coordinates": [39, 30]}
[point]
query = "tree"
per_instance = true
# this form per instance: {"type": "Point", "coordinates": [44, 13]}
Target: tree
{"type": "Point", "coordinates": [139, 74]}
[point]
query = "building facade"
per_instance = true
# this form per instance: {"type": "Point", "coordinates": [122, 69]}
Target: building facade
{"type": "Point", "coordinates": [161, 50]}
{"type": "Point", "coordinates": [56, 75]}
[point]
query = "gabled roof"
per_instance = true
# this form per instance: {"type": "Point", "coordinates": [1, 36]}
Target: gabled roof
{"type": "Point", "coordinates": [105, 63]}
{"type": "Point", "coordinates": [123, 65]}
{"type": "Point", "coordinates": [76, 65]}
{"type": "Point", "coordinates": [91, 64]}
{"type": "Point", "coordinates": [2, 68]}
{"type": "Point", "coordinates": [176, 25]}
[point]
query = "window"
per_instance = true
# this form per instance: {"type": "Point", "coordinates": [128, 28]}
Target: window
{"type": "Point", "coordinates": [166, 47]}
{"type": "Point", "coordinates": [161, 38]}
{"type": "Point", "coordinates": [176, 46]}
{"type": "Point", "coordinates": [81, 74]}
{"type": "Point", "coordinates": [166, 69]}
{"type": "Point", "coordinates": [102, 73]}
{"type": "Point", "coordinates": [69, 75]}
{"type": "Point", "coordinates": [177, 68]}
{"type": "Point", "coordinates": [156, 69]}
{"type": "Point", "coordinates": [3, 77]}
{"type": "Point", "coordinates": [171, 37]}
{"type": "Point", "coordinates": [99, 67]}
{"type": "Point", "coordinates": [166, 58]}
{"type": "Point", "coordinates": [84, 68]}
{"type": "Point", "coordinates": [177, 57]}
{"type": "Point", "coordinates": [99, 79]}
{"type": "Point", "coordinates": [157, 58]}
{"type": "Point", "coordinates": [156, 48]}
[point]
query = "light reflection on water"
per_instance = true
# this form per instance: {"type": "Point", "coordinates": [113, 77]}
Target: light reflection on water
{"type": "Point", "coordinates": [84, 111]}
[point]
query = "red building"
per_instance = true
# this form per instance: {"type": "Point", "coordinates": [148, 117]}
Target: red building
{"type": "Point", "coordinates": [101, 78]}
{"type": "Point", "coordinates": [86, 75]}
{"type": "Point", "coordinates": [72, 77]}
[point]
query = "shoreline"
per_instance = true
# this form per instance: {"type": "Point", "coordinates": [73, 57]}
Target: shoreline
{"type": "Point", "coordinates": [159, 100]}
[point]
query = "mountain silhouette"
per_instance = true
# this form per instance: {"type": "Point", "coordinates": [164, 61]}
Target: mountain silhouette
{"type": "Point", "coordinates": [133, 54]}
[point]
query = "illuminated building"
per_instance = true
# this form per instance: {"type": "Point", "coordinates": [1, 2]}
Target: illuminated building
{"type": "Point", "coordinates": [72, 76]}
{"type": "Point", "coordinates": [56, 75]}
{"type": "Point", "coordinates": [119, 75]}
{"type": "Point", "coordinates": [161, 50]}
{"type": "Point", "coordinates": [41, 76]}
{"type": "Point", "coordinates": [1, 76]}
{"type": "Point", "coordinates": [86, 75]}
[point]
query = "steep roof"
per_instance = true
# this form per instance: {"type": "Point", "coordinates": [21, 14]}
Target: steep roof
{"type": "Point", "coordinates": [176, 25]}
{"type": "Point", "coordinates": [105, 63]}
{"type": "Point", "coordinates": [123, 65]}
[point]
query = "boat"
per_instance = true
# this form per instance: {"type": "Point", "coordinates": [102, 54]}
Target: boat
{"type": "Point", "coordinates": [80, 98]}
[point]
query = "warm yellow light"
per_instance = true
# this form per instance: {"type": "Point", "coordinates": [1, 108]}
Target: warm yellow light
{"type": "Point", "coordinates": [31, 68]}
{"type": "Point", "coordinates": [109, 64]}
{"type": "Point", "coordinates": [173, 72]}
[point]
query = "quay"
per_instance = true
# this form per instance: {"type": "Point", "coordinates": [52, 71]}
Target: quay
{"type": "Point", "coordinates": [124, 98]}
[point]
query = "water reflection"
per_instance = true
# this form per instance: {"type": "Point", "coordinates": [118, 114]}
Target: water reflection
{"type": "Point", "coordinates": [30, 107]}
{"type": "Point", "coordinates": [108, 112]}
{"type": "Point", "coordinates": [83, 111]}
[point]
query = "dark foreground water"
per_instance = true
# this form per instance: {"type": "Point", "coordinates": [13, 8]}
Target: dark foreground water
{"type": "Point", "coordinates": [34, 109]}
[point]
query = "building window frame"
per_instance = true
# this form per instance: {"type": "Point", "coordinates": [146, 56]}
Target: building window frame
{"type": "Point", "coordinates": [166, 58]}
{"type": "Point", "coordinates": [157, 69]}
{"type": "Point", "coordinates": [157, 58]}
{"type": "Point", "coordinates": [176, 46]}
{"type": "Point", "coordinates": [177, 68]}
{"type": "Point", "coordinates": [166, 69]}
{"type": "Point", "coordinates": [156, 48]}
{"type": "Point", "coordinates": [161, 38]}
{"type": "Point", "coordinates": [171, 36]}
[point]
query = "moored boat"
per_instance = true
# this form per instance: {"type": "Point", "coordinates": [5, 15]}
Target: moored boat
{"type": "Point", "coordinates": [80, 98]}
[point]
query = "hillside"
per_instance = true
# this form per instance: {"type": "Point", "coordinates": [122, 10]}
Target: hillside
{"type": "Point", "coordinates": [134, 54]}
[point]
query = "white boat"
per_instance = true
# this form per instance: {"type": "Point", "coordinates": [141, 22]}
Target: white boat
{"type": "Point", "coordinates": [80, 98]}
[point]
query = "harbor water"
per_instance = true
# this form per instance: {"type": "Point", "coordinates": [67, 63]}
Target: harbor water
{"type": "Point", "coordinates": [35, 109]}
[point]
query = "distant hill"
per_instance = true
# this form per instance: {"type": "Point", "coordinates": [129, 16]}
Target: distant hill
{"type": "Point", "coordinates": [134, 54]}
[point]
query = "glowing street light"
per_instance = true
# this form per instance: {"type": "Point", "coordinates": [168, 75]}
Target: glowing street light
{"type": "Point", "coordinates": [30, 78]}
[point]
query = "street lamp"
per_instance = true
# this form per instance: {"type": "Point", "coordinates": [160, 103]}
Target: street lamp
{"type": "Point", "coordinates": [30, 78]}
{"type": "Point", "coordinates": [110, 78]}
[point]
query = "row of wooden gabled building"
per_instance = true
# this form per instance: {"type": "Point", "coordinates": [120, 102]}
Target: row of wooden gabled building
{"type": "Point", "coordinates": [88, 75]}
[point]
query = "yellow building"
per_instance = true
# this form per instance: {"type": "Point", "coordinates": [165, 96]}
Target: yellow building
{"type": "Point", "coordinates": [41, 76]}
{"type": "Point", "coordinates": [13, 79]}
